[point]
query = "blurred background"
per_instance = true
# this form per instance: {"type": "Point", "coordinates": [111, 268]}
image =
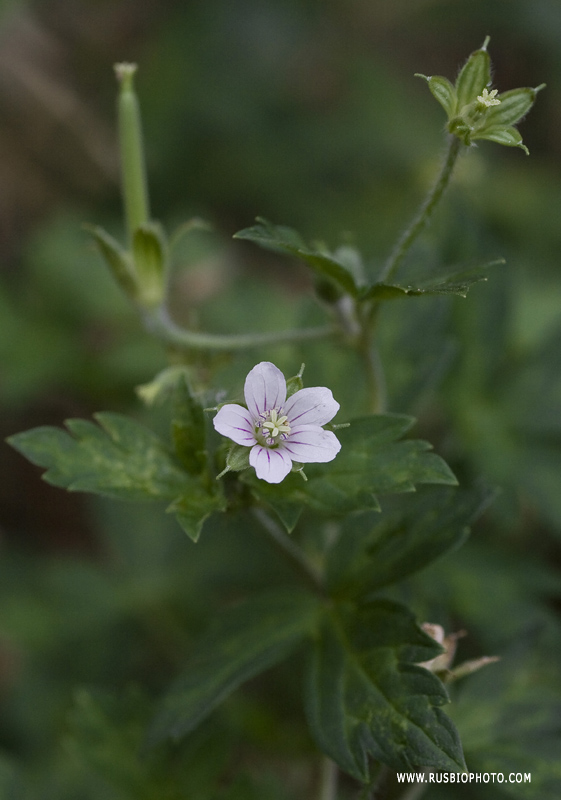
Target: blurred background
{"type": "Point", "coordinates": [307, 113]}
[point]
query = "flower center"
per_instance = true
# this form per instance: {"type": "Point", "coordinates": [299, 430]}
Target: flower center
{"type": "Point", "coordinates": [272, 427]}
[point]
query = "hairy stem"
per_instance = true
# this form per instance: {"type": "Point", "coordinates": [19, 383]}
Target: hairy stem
{"type": "Point", "coordinates": [423, 214]}
{"type": "Point", "coordinates": [159, 323]}
{"type": "Point", "coordinates": [290, 550]}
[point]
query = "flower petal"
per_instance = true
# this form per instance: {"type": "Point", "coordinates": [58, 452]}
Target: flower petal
{"type": "Point", "coordinates": [310, 443]}
{"type": "Point", "coordinates": [265, 388]}
{"type": "Point", "coordinates": [313, 406]}
{"type": "Point", "coordinates": [236, 423]}
{"type": "Point", "coordinates": [270, 465]}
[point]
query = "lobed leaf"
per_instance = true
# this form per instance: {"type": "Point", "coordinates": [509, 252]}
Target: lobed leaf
{"type": "Point", "coordinates": [245, 641]}
{"type": "Point", "coordinates": [458, 282]}
{"type": "Point", "coordinates": [366, 696]}
{"type": "Point", "coordinates": [286, 240]}
{"type": "Point", "coordinates": [119, 458]}
{"type": "Point", "coordinates": [370, 462]}
{"type": "Point", "coordinates": [374, 551]}
{"type": "Point", "coordinates": [194, 506]}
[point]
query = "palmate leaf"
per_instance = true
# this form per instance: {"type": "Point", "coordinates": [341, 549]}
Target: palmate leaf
{"type": "Point", "coordinates": [371, 462]}
{"type": "Point", "coordinates": [376, 550]}
{"type": "Point", "coordinates": [245, 641]}
{"type": "Point", "coordinates": [119, 458]}
{"type": "Point", "coordinates": [366, 696]}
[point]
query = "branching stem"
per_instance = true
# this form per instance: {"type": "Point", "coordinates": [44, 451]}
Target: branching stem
{"type": "Point", "coordinates": [290, 550]}
{"type": "Point", "coordinates": [159, 323]}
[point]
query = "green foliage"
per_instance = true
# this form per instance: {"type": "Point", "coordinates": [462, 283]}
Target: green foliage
{"type": "Point", "coordinates": [371, 463]}
{"type": "Point", "coordinates": [376, 550]}
{"type": "Point", "coordinates": [243, 642]}
{"type": "Point", "coordinates": [365, 695]}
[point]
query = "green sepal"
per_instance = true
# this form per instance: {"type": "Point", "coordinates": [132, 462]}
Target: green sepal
{"type": "Point", "coordinates": [119, 458]}
{"type": "Point", "coordinates": [366, 696]}
{"type": "Point", "coordinates": [117, 259]}
{"type": "Point", "coordinates": [514, 105]}
{"type": "Point", "coordinates": [188, 427]}
{"type": "Point", "coordinates": [149, 251]}
{"type": "Point", "coordinates": [295, 383]}
{"type": "Point", "coordinates": [243, 642]}
{"type": "Point", "coordinates": [443, 90]}
{"type": "Point", "coordinates": [286, 240]}
{"type": "Point", "coordinates": [237, 458]}
{"type": "Point", "coordinates": [506, 136]}
{"type": "Point", "coordinates": [474, 76]}
{"type": "Point", "coordinates": [194, 506]}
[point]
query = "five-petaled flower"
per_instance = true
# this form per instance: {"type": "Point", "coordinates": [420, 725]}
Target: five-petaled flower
{"type": "Point", "coordinates": [280, 430]}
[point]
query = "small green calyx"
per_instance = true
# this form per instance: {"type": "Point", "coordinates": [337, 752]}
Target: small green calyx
{"type": "Point", "coordinates": [475, 110]}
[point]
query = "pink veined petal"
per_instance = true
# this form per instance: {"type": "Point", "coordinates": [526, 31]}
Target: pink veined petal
{"type": "Point", "coordinates": [313, 406]}
{"type": "Point", "coordinates": [236, 423]}
{"type": "Point", "coordinates": [310, 443]}
{"type": "Point", "coordinates": [270, 465]}
{"type": "Point", "coordinates": [265, 388]}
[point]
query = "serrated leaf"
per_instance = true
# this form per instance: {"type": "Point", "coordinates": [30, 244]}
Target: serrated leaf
{"type": "Point", "coordinates": [288, 241]}
{"type": "Point", "coordinates": [370, 462]}
{"type": "Point", "coordinates": [374, 551]}
{"type": "Point", "coordinates": [244, 641]}
{"type": "Point", "coordinates": [188, 427]}
{"type": "Point", "coordinates": [194, 506]}
{"type": "Point", "coordinates": [367, 697]}
{"type": "Point", "coordinates": [458, 282]}
{"type": "Point", "coordinates": [120, 459]}
{"type": "Point", "coordinates": [474, 76]}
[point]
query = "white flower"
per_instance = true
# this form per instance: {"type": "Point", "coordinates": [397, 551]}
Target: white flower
{"type": "Point", "coordinates": [280, 431]}
{"type": "Point", "coordinates": [488, 99]}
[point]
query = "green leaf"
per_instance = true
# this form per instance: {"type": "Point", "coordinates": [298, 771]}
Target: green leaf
{"type": "Point", "coordinates": [120, 459]}
{"type": "Point", "coordinates": [245, 641]}
{"type": "Point", "coordinates": [443, 90]}
{"type": "Point", "coordinates": [188, 427]}
{"type": "Point", "coordinates": [150, 261]}
{"type": "Point", "coordinates": [474, 77]}
{"type": "Point", "coordinates": [514, 105]}
{"type": "Point", "coordinates": [117, 259]}
{"type": "Point", "coordinates": [370, 462]}
{"type": "Point", "coordinates": [456, 283]}
{"type": "Point", "coordinates": [374, 551]}
{"type": "Point", "coordinates": [194, 506]}
{"type": "Point", "coordinates": [288, 241]}
{"type": "Point", "coordinates": [367, 697]}
{"type": "Point", "coordinates": [508, 716]}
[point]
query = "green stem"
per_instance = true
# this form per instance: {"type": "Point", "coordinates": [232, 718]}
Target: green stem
{"type": "Point", "coordinates": [159, 323]}
{"type": "Point", "coordinates": [290, 550]}
{"type": "Point", "coordinates": [375, 375]}
{"type": "Point", "coordinates": [424, 212]}
{"type": "Point", "coordinates": [329, 779]}
{"type": "Point", "coordinates": [133, 165]}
